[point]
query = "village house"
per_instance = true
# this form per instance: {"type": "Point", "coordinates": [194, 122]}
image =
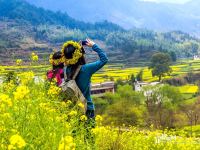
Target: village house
{"type": "Point", "coordinates": [196, 57]}
{"type": "Point", "coordinates": [102, 88]}
{"type": "Point", "coordinates": [140, 85]}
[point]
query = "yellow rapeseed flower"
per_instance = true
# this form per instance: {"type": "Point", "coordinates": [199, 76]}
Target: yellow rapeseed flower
{"type": "Point", "coordinates": [5, 115]}
{"type": "Point", "coordinates": [26, 77]}
{"type": "Point", "coordinates": [73, 113]}
{"type": "Point", "coordinates": [54, 91]}
{"type": "Point", "coordinates": [100, 130]}
{"type": "Point", "coordinates": [63, 104]}
{"type": "Point", "coordinates": [80, 105]}
{"type": "Point", "coordinates": [11, 147]}
{"type": "Point", "coordinates": [43, 105]}
{"type": "Point", "coordinates": [18, 61]}
{"type": "Point", "coordinates": [34, 57]}
{"type": "Point", "coordinates": [69, 102]}
{"type": "Point", "coordinates": [21, 92]}
{"type": "Point", "coordinates": [17, 141]}
{"type": "Point", "coordinates": [98, 118]}
{"type": "Point", "coordinates": [67, 144]}
{"type": "Point", "coordinates": [5, 99]}
{"type": "Point", "coordinates": [83, 118]}
{"type": "Point", "coordinates": [9, 86]}
{"type": "Point", "coordinates": [67, 125]}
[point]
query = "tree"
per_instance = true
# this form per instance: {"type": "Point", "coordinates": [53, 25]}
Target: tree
{"type": "Point", "coordinates": [161, 103]}
{"type": "Point", "coordinates": [192, 111]}
{"type": "Point", "coordinates": [160, 65]}
{"type": "Point", "coordinates": [132, 78]}
{"type": "Point", "coordinates": [139, 76]}
{"type": "Point", "coordinates": [126, 107]}
{"type": "Point", "coordinates": [123, 112]}
{"type": "Point", "coordinates": [173, 56]}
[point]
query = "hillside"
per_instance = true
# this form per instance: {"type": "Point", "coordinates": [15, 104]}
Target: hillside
{"type": "Point", "coordinates": [21, 10]}
{"type": "Point", "coordinates": [131, 13]}
{"type": "Point", "coordinates": [25, 28]}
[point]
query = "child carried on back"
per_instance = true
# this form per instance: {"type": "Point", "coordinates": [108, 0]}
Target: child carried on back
{"type": "Point", "coordinates": [57, 72]}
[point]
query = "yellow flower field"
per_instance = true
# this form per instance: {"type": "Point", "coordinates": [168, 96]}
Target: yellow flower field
{"type": "Point", "coordinates": [35, 116]}
{"type": "Point", "coordinates": [110, 71]}
{"type": "Point", "coordinates": [189, 89]}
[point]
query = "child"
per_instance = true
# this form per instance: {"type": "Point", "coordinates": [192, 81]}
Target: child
{"type": "Point", "coordinates": [57, 62]}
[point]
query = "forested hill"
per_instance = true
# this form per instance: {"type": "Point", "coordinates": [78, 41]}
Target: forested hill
{"type": "Point", "coordinates": [24, 28]}
{"type": "Point", "coordinates": [21, 10]}
{"type": "Point", "coordinates": [151, 14]}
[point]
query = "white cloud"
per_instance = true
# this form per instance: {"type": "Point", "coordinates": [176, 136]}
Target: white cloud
{"type": "Point", "coordinates": [168, 1]}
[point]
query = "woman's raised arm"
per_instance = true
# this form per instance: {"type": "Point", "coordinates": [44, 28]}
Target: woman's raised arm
{"type": "Point", "coordinates": [91, 68]}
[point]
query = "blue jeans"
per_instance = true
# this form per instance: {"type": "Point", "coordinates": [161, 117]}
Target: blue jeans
{"type": "Point", "coordinates": [90, 114]}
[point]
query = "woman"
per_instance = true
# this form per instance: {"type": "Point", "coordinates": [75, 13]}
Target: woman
{"type": "Point", "coordinates": [74, 57]}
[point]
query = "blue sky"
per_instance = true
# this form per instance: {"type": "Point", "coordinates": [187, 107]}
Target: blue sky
{"type": "Point", "coordinates": [169, 1]}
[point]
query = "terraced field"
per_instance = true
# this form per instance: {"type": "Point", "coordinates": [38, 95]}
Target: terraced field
{"type": "Point", "coordinates": [113, 72]}
{"type": "Point", "coordinates": [120, 72]}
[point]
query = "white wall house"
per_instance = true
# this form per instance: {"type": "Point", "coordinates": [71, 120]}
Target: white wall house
{"type": "Point", "coordinates": [196, 57]}
{"type": "Point", "coordinates": [140, 85]}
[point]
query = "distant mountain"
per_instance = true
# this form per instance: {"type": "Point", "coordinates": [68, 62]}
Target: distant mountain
{"type": "Point", "coordinates": [21, 10]}
{"type": "Point", "coordinates": [25, 28]}
{"type": "Point", "coordinates": [131, 13]}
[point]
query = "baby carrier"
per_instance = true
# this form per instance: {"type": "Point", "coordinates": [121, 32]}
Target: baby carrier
{"type": "Point", "coordinates": [71, 90]}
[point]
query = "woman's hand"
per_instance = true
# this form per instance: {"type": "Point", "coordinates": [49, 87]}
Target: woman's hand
{"type": "Point", "coordinates": [89, 43]}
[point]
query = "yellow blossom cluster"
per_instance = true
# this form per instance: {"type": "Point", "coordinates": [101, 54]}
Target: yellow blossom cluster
{"type": "Point", "coordinates": [98, 120]}
{"type": "Point", "coordinates": [21, 92]}
{"type": "Point", "coordinates": [73, 113]}
{"type": "Point", "coordinates": [47, 107]}
{"type": "Point", "coordinates": [19, 61]}
{"type": "Point", "coordinates": [26, 77]}
{"type": "Point", "coordinates": [83, 118]}
{"type": "Point", "coordinates": [16, 142]}
{"type": "Point", "coordinates": [67, 143]}
{"type": "Point", "coordinates": [34, 57]}
{"type": "Point", "coordinates": [5, 101]}
{"type": "Point", "coordinates": [102, 130]}
{"type": "Point", "coordinates": [9, 86]}
{"type": "Point", "coordinates": [5, 116]}
{"type": "Point", "coordinates": [69, 102]}
{"type": "Point", "coordinates": [80, 105]}
{"type": "Point", "coordinates": [54, 90]}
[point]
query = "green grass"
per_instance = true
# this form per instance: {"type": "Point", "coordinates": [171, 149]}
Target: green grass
{"type": "Point", "coordinates": [192, 130]}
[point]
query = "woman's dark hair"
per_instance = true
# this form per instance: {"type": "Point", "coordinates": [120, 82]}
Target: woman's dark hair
{"type": "Point", "coordinates": [58, 55]}
{"type": "Point", "coordinates": [68, 52]}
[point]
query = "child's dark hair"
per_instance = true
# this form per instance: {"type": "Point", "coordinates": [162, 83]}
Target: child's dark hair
{"type": "Point", "coordinates": [58, 55]}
